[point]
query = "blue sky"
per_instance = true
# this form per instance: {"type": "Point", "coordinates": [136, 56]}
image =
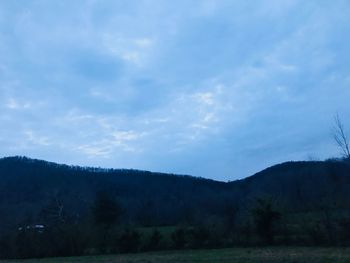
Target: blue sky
{"type": "Point", "coordinates": [218, 89]}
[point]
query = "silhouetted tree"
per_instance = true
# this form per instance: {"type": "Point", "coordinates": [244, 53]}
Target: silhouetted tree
{"type": "Point", "coordinates": [129, 241]}
{"type": "Point", "coordinates": [200, 237]}
{"type": "Point", "coordinates": [53, 213]}
{"type": "Point", "coordinates": [340, 137]}
{"type": "Point", "coordinates": [264, 218]}
{"type": "Point", "coordinates": [106, 210]}
{"type": "Point", "coordinates": [179, 238]}
{"type": "Point", "coordinates": [154, 240]}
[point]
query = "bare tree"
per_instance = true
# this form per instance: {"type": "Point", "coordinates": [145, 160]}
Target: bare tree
{"type": "Point", "coordinates": [54, 212]}
{"type": "Point", "coordinates": [340, 136]}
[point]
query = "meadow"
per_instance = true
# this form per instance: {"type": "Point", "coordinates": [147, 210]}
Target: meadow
{"type": "Point", "coordinates": [250, 255]}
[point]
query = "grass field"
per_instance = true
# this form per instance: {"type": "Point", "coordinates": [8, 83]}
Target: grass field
{"type": "Point", "coordinates": [251, 255]}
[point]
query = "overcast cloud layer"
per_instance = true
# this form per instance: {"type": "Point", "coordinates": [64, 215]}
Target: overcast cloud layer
{"type": "Point", "coordinates": [218, 89]}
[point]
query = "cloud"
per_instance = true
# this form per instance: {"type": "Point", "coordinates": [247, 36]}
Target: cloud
{"type": "Point", "coordinates": [115, 143]}
{"type": "Point", "coordinates": [133, 51]}
{"type": "Point", "coordinates": [36, 140]}
{"type": "Point", "coordinates": [13, 104]}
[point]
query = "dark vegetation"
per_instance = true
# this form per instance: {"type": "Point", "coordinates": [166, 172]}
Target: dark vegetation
{"type": "Point", "coordinates": [48, 209]}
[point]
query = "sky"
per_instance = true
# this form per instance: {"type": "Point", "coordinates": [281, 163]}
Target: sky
{"type": "Point", "coordinates": [217, 89]}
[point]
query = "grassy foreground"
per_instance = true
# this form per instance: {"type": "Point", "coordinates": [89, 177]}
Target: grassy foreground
{"type": "Point", "coordinates": [251, 255]}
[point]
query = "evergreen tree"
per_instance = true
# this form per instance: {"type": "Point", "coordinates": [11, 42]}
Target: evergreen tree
{"type": "Point", "coordinates": [106, 210]}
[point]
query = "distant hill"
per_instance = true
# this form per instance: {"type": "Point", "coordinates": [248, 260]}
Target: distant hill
{"type": "Point", "coordinates": [28, 187]}
{"type": "Point", "coordinates": [300, 186]}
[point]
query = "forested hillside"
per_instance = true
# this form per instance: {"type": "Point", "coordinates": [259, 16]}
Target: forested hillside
{"type": "Point", "coordinates": [29, 186]}
{"type": "Point", "coordinates": [294, 202]}
{"type": "Point", "coordinates": [301, 186]}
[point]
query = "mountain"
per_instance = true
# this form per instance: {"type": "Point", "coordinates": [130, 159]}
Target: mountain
{"type": "Point", "coordinates": [28, 187]}
{"type": "Point", "coordinates": [49, 209]}
{"type": "Point", "coordinates": [301, 186]}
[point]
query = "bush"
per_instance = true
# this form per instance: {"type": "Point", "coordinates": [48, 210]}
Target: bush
{"type": "Point", "coordinates": [129, 241]}
{"type": "Point", "coordinates": [154, 240]}
{"type": "Point", "coordinates": [179, 238]}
